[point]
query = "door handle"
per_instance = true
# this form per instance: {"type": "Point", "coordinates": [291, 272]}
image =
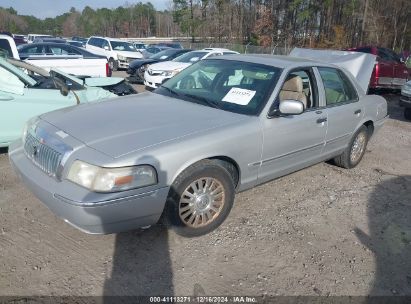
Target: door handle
{"type": "Point", "coordinates": [6, 98]}
{"type": "Point", "coordinates": [321, 120]}
{"type": "Point", "coordinates": [357, 112]}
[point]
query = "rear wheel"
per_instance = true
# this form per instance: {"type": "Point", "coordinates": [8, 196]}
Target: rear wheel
{"type": "Point", "coordinates": [353, 154]}
{"type": "Point", "coordinates": [407, 113]}
{"type": "Point", "coordinates": [200, 199]}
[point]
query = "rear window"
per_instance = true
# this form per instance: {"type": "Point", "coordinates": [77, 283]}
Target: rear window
{"type": "Point", "coordinates": [364, 50]}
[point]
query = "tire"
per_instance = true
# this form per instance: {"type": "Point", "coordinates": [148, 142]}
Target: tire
{"type": "Point", "coordinates": [407, 113]}
{"type": "Point", "coordinates": [113, 64]}
{"type": "Point", "coordinates": [353, 154]}
{"type": "Point", "coordinates": [194, 213]}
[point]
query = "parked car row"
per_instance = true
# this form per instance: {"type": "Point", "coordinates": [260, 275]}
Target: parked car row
{"type": "Point", "coordinates": [160, 67]}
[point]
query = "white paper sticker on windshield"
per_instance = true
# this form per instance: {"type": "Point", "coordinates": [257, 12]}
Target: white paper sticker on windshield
{"type": "Point", "coordinates": [239, 96]}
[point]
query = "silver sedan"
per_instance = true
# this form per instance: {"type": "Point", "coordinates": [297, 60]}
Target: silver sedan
{"type": "Point", "coordinates": [221, 126]}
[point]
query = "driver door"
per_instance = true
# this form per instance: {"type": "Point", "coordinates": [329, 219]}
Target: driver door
{"type": "Point", "coordinates": [292, 142]}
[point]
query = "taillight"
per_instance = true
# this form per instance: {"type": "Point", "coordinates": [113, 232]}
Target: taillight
{"type": "Point", "coordinates": [108, 70]}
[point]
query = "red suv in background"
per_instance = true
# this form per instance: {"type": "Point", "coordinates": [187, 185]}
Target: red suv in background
{"type": "Point", "coordinates": [389, 71]}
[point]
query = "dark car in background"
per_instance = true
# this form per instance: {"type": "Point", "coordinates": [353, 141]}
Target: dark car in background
{"type": "Point", "coordinates": [390, 72]}
{"type": "Point", "coordinates": [49, 40]}
{"type": "Point", "coordinates": [53, 49]}
{"type": "Point", "coordinates": [137, 67]}
{"type": "Point", "coordinates": [80, 40]}
{"type": "Point", "coordinates": [153, 49]}
{"type": "Point", "coordinates": [174, 45]}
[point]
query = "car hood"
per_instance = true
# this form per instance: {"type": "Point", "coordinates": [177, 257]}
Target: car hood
{"type": "Point", "coordinates": [139, 62]}
{"type": "Point", "coordinates": [129, 54]}
{"type": "Point", "coordinates": [169, 66]}
{"type": "Point", "coordinates": [132, 123]}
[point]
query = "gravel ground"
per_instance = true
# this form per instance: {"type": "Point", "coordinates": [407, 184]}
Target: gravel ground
{"type": "Point", "coordinates": [321, 231]}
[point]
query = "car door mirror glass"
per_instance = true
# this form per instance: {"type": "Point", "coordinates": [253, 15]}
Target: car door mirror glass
{"type": "Point", "coordinates": [291, 107]}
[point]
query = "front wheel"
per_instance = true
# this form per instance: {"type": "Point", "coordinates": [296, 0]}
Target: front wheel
{"type": "Point", "coordinates": [113, 64]}
{"type": "Point", "coordinates": [353, 154]}
{"type": "Point", "coordinates": [200, 199]}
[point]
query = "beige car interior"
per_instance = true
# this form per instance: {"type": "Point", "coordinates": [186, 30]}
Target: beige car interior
{"type": "Point", "coordinates": [293, 89]}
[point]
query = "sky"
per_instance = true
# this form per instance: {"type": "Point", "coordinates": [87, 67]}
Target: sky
{"type": "Point", "coordinates": [51, 8]}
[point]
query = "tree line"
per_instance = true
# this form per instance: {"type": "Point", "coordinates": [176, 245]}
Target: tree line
{"type": "Point", "coordinates": [305, 23]}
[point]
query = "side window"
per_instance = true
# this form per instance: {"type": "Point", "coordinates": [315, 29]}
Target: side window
{"type": "Point", "coordinates": [92, 41]}
{"type": "Point", "coordinates": [384, 55]}
{"type": "Point", "coordinates": [335, 87]}
{"type": "Point", "coordinates": [104, 43]}
{"type": "Point", "coordinates": [56, 50]}
{"type": "Point", "coordinates": [33, 50]}
{"type": "Point", "coordinates": [300, 85]}
{"type": "Point", "coordinates": [349, 89]}
{"type": "Point", "coordinates": [5, 45]}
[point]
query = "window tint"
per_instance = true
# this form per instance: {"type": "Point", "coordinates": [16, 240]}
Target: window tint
{"type": "Point", "coordinates": [384, 55]}
{"type": "Point", "coordinates": [5, 45]}
{"type": "Point", "coordinates": [335, 87]}
{"type": "Point", "coordinates": [104, 43]}
{"type": "Point", "coordinates": [34, 50]}
{"type": "Point", "coordinates": [364, 50]}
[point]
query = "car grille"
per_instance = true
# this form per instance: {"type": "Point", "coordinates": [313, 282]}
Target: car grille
{"type": "Point", "coordinates": [44, 157]}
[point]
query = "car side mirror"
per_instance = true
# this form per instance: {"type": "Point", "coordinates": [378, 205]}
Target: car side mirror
{"type": "Point", "coordinates": [64, 90]}
{"type": "Point", "coordinates": [291, 107]}
{"type": "Point", "coordinates": [106, 48]}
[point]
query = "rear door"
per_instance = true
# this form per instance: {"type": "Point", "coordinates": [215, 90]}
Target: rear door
{"type": "Point", "coordinates": [344, 112]}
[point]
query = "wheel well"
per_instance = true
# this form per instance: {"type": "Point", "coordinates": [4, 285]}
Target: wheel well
{"type": "Point", "coordinates": [370, 126]}
{"type": "Point", "coordinates": [231, 166]}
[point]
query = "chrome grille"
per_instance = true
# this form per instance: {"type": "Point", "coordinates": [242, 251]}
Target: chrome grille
{"type": "Point", "coordinates": [42, 156]}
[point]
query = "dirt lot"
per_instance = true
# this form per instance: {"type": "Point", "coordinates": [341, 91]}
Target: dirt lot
{"type": "Point", "coordinates": [320, 231]}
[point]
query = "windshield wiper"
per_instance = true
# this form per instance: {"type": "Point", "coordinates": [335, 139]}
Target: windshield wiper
{"type": "Point", "coordinates": [170, 90]}
{"type": "Point", "coordinates": [203, 100]}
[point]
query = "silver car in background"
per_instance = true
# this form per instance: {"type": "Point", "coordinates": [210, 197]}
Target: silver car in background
{"type": "Point", "coordinates": [221, 126]}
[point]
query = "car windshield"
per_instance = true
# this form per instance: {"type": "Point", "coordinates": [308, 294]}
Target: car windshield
{"type": "Point", "coordinates": [190, 57]}
{"type": "Point", "coordinates": [122, 46]}
{"type": "Point", "coordinates": [235, 86]}
{"type": "Point", "coordinates": [163, 54]}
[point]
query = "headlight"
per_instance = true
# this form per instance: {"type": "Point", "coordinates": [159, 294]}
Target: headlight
{"type": "Point", "coordinates": [119, 57]}
{"type": "Point", "coordinates": [30, 125]}
{"type": "Point", "coordinates": [100, 179]}
{"type": "Point", "coordinates": [170, 73]}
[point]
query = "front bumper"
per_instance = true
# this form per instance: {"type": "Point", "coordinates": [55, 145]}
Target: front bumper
{"type": "Point", "coordinates": [154, 81]}
{"type": "Point", "coordinates": [99, 217]}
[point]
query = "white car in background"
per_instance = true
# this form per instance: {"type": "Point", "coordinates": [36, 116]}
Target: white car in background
{"type": "Point", "coordinates": [157, 73]}
{"type": "Point", "coordinates": [119, 52]}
